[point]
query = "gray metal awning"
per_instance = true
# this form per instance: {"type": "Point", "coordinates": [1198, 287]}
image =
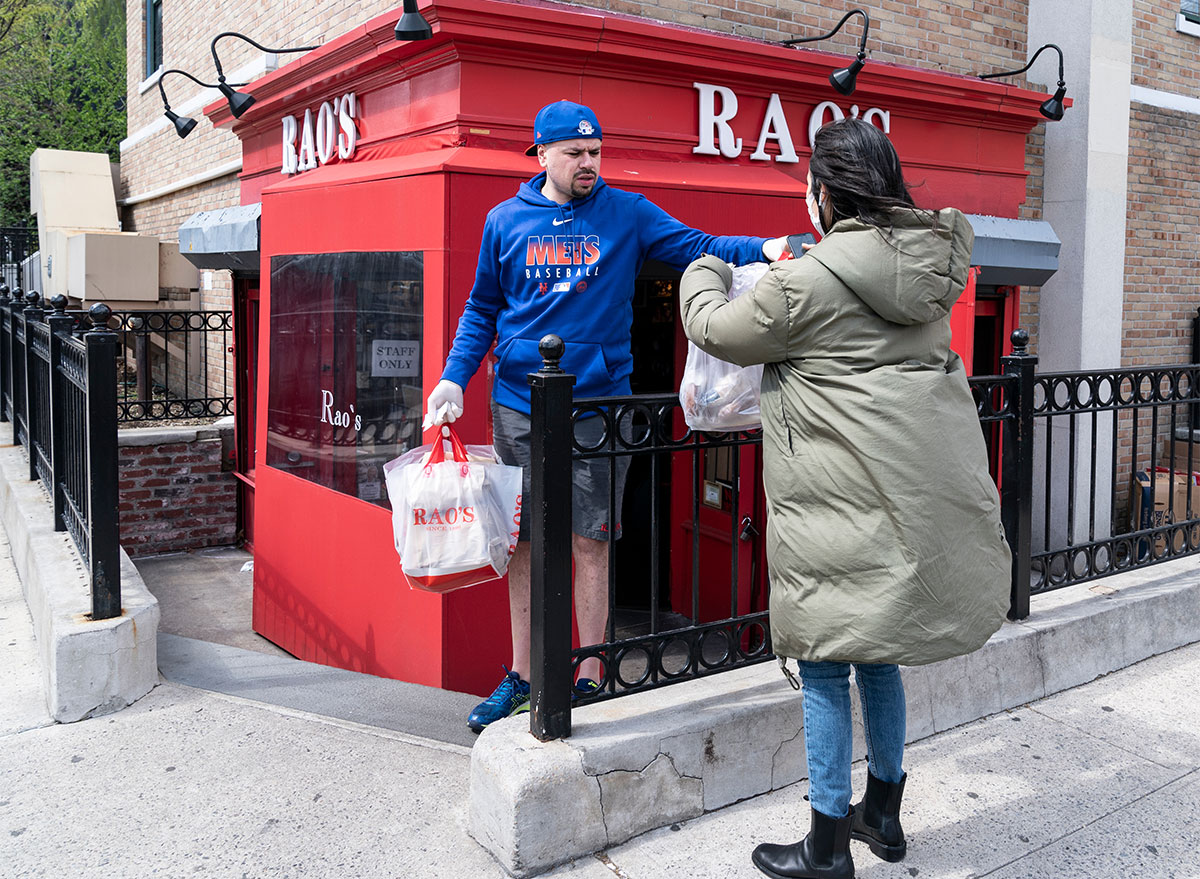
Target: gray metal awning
{"type": "Point", "coordinates": [223, 239]}
{"type": "Point", "coordinates": [1014, 252]}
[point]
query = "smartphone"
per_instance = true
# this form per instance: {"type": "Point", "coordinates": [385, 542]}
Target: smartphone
{"type": "Point", "coordinates": [796, 242]}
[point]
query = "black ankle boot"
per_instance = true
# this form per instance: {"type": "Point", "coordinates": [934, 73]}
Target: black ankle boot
{"type": "Point", "coordinates": [823, 854]}
{"type": "Point", "coordinates": [877, 819]}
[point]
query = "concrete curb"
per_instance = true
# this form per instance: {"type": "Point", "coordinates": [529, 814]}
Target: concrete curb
{"type": "Point", "coordinates": [160, 435]}
{"type": "Point", "coordinates": [88, 667]}
{"type": "Point", "coordinates": [655, 758]}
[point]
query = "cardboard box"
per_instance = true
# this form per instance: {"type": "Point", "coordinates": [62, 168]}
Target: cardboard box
{"type": "Point", "coordinates": [1175, 454]}
{"type": "Point", "coordinates": [1163, 503]}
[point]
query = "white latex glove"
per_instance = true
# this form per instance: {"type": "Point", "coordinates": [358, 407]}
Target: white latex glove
{"type": "Point", "coordinates": [773, 248]}
{"type": "Point", "coordinates": [444, 405]}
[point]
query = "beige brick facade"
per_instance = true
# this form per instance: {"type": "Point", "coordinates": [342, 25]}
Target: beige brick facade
{"type": "Point", "coordinates": [1161, 277]}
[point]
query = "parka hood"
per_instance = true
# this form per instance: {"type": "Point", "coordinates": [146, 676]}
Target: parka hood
{"type": "Point", "coordinates": [912, 273]}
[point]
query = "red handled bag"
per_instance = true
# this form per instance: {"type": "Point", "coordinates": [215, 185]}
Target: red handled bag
{"type": "Point", "coordinates": [455, 520]}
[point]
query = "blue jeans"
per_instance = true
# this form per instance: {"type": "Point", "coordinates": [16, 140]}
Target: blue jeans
{"type": "Point", "coordinates": [827, 728]}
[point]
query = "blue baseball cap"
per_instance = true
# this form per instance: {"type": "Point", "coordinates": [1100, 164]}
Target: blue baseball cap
{"type": "Point", "coordinates": [563, 120]}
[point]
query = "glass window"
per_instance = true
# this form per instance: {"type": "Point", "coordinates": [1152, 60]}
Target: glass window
{"type": "Point", "coordinates": [1191, 10]}
{"type": "Point", "coordinates": [154, 36]}
{"type": "Point", "coordinates": [344, 393]}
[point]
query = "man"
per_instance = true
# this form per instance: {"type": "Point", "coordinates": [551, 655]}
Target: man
{"type": "Point", "coordinates": [561, 257]}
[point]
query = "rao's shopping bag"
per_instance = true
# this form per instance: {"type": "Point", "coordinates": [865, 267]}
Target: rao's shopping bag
{"type": "Point", "coordinates": [455, 520]}
{"type": "Point", "coordinates": [721, 396]}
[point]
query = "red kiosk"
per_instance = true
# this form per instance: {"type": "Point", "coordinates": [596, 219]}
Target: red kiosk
{"type": "Point", "coordinates": [375, 163]}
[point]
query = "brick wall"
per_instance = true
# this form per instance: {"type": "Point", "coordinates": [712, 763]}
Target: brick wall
{"type": "Point", "coordinates": [177, 491]}
{"type": "Point", "coordinates": [1163, 58]}
{"type": "Point", "coordinates": [1162, 284]}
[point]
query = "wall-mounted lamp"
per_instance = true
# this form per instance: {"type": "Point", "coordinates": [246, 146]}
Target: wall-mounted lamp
{"type": "Point", "coordinates": [240, 102]}
{"type": "Point", "coordinates": [412, 25]}
{"type": "Point", "coordinates": [1052, 108]}
{"type": "Point", "coordinates": [183, 124]}
{"type": "Point", "coordinates": [845, 79]}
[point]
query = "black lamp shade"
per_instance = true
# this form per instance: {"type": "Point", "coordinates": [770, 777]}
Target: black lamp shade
{"type": "Point", "coordinates": [844, 80]}
{"type": "Point", "coordinates": [1052, 108]}
{"type": "Point", "coordinates": [239, 102]}
{"type": "Point", "coordinates": [412, 25]}
{"type": "Point", "coordinates": [183, 124]}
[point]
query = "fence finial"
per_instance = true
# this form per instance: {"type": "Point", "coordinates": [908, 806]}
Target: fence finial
{"type": "Point", "coordinates": [34, 299]}
{"type": "Point", "coordinates": [4, 291]}
{"type": "Point", "coordinates": [551, 348]}
{"type": "Point", "coordinates": [59, 303]}
{"type": "Point", "coordinates": [1020, 342]}
{"type": "Point", "coordinates": [100, 313]}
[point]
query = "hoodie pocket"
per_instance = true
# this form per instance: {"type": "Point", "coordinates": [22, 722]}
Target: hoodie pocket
{"type": "Point", "coordinates": [584, 360]}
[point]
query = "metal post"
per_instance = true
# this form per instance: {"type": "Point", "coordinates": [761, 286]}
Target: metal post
{"type": "Point", "coordinates": [33, 313]}
{"type": "Point", "coordinates": [60, 322]}
{"type": "Point", "coordinates": [16, 389]}
{"type": "Point", "coordinates": [1017, 470]}
{"type": "Point", "coordinates": [550, 557]}
{"type": "Point", "coordinates": [5, 349]}
{"type": "Point", "coordinates": [141, 359]}
{"type": "Point", "coordinates": [102, 471]}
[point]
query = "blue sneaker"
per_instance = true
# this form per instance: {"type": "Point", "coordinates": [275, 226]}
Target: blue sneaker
{"type": "Point", "coordinates": [584, 687]}
{"type": "Point", "coordinates": [506, 699]}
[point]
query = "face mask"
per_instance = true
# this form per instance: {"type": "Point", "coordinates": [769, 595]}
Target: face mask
{"type": "Point", "coordinates": [814, 213]}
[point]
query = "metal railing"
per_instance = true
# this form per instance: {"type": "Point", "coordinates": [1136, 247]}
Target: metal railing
{"type": "Point", "coordinates": [16, 244]}
{"type": "Point", "coordinates": [176, 364]}
{"type": "Point", "coordinates": [59, 380]}
{"type": "Point", "coordinates": [1061, 447]}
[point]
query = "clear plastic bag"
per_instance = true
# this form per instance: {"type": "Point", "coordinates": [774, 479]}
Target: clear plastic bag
{"type": "Point", "coordinates": [455, 519]}
{"type": "Point", "coordinates": [721, 396]}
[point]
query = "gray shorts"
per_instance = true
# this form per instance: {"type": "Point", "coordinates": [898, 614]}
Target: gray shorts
{"type": "Point", "coordinates": [589, 495]}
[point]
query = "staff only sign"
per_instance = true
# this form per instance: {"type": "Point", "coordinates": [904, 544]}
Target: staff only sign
{"type": "Point", "coordinates": [716, 136]}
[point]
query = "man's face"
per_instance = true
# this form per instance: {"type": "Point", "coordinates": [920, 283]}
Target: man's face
{"type": "Point", "coordinates": [572, 167]}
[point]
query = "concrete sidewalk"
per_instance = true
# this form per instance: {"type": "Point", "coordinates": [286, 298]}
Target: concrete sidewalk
{"type": "Point", "coordinates": [1100, 781]}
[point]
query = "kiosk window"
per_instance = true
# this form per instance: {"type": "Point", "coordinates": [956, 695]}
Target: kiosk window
{"type": "Point", "coordinates": [344, 392]}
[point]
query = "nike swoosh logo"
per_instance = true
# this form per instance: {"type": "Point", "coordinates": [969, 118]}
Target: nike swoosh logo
{"type": "Point", "coordinates": [558, 222]}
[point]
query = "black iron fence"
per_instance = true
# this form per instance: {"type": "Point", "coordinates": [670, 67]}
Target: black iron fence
{"type": "Point", "coordinates": [1096, 472]}
{"type": "Point", "coordinates": [169, 364]}
{"type": "Point", "coordinates": [174, 364]}
{"type": "Point", "coordinates": [58, 379]}
{"type": "Point", "coordinates": [16, 244]}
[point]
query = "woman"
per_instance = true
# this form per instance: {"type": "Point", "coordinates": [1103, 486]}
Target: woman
{"type": "Point", "coordinates": [883, 536]}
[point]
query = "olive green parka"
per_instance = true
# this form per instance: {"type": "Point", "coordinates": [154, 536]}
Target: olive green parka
{"type": "Point", "coordinates": [884, 539]}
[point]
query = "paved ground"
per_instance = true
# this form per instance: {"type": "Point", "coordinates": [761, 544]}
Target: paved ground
{"type": "Point", "coordinates": [1098, 782]}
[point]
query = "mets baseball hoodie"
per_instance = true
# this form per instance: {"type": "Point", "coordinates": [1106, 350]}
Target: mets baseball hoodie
{"type": "Point", "coordinates": [569, 269]}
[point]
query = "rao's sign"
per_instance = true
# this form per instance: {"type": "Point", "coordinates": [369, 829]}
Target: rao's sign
{"type": "Point", "coordinates": [716, 137]}
{"type": "Point", "coordinates": [332, 134]}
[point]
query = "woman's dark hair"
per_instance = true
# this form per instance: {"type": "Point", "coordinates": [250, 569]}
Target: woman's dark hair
{"type": "Point", "coordinates": [860, 170]}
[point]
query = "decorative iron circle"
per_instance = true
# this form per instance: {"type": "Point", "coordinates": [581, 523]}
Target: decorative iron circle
{"type": "Point", "coordinates": [726, 648]}
{"type": "Point", "coordinates": [624, 653]}
{"type": "Point", "coordinates": [689, 658]}
{"type": "Point", "coordinates": [755, 632]}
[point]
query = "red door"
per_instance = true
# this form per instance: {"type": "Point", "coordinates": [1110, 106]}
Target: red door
{"type": "Point", "coordinates": [245, 361]}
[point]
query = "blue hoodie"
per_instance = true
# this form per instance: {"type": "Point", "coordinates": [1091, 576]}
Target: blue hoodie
{"type": "Point", "coordinates": [569, 269]}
